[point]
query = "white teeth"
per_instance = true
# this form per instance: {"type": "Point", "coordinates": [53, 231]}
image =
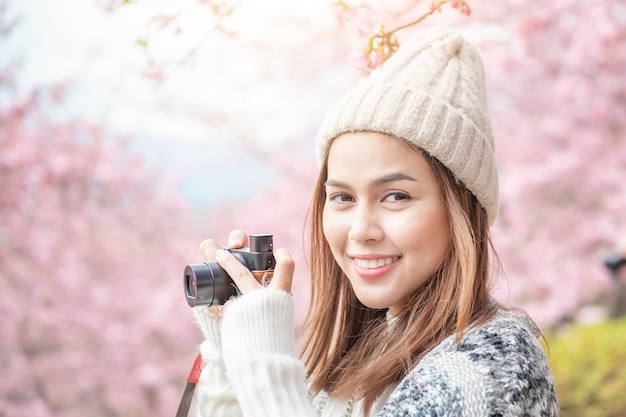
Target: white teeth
{"type": "Point", "coordinates": [373, 263]}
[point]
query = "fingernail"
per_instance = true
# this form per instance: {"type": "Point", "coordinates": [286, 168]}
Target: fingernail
{"type": "Point", "coordinates": [235, 242]}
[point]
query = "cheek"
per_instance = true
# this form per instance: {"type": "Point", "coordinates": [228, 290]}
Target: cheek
{"type": "Point", "coordinates": [333, 229]}
{"type": "Point", "coordinates": [327, 225]}
{"type": "Point", "coordinates": [440, 235]}
{"type": "Point", "coordinates": [430, 237]}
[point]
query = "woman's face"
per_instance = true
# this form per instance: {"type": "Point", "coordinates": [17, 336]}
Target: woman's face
{"type": "Point", "coordinates": [384, 217]}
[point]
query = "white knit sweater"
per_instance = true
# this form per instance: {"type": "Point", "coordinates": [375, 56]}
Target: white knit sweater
{"type": "Point", "coordinates": [252, 369]}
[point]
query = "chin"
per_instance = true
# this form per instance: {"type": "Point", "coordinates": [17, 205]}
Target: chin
{"type": "Point", "coordinates": [373, 304]}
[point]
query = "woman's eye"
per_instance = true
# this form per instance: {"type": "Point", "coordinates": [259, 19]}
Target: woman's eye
{"type": "Point", "coordinates": [396, 196]}
{"type": "Point", "coordinates": [340, 198]}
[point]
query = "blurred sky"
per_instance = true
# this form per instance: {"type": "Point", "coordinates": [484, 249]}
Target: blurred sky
{"type": "Point", "coordinates": [191, 118]}
{"type": "Point", "coordinates": [77, 41]}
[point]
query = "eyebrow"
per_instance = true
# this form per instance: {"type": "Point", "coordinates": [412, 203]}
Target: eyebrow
{"type": "Point", "coordinates": [378, 181]}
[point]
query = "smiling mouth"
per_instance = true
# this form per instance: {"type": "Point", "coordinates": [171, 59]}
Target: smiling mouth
{"type": "Point", "coordinates": [374, 263]}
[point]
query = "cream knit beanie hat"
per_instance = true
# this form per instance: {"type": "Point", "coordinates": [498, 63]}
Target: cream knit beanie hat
{"type": "Point", "coordinates": [431, 93]}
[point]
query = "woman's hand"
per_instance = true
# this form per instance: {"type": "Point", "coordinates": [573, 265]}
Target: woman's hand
{"type": "Point", "coordinates": [243, 278]}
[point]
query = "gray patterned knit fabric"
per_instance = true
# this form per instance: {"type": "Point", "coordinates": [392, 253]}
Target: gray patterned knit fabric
{"type": "Point", "coordinates": [498, 370]}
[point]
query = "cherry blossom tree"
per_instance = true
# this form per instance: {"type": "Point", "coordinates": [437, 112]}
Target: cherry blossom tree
{"type": "Point", "coordinates": [558, 109]}
{"type": "Point", "coordinates": [559, 113]}
{"type": "Point", "coordinates": [93, 242]}
{"type": "Point", "coordinates": [94, 239]}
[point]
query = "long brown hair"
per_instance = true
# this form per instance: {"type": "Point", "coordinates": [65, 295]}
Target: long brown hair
{"type": "Point", "coordinates": [349, 349]}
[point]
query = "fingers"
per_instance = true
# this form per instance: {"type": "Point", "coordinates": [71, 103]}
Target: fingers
{"type": "Point", "coordinates": [283, 272]}
{"type": "Point", "coordinates": [241, 276]}
{"type": "Point", "coordinates": [282, 278]}
{"type": "Point", "coordinates": [237, 239]}
{"type": "Point", "coordinates": [208, 248]}
{"type": "Point", "coordinates": [244, 280]}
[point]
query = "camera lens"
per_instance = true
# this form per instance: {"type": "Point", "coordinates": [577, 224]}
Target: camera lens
{"type": "Point", "coordinates": [190, 286]}
{"type": "Point", "coordinates": [207, 284]}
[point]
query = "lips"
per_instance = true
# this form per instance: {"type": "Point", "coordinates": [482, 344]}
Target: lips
{"type": "Point", "coordinates": [374, 263]}
{"type": "Point", "coordinates": [374, 267]}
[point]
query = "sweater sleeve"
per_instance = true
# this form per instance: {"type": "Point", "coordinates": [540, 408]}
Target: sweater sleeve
{"type": "Point", "coordinates": [268, 378]}
{"type": "Point", "coordinates": [214, 393]}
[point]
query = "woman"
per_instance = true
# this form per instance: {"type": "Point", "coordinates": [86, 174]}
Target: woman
{"type": "Point", "coordinates": [401, 321]}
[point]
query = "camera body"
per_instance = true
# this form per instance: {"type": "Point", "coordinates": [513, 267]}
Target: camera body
{"type": "Point", "coordinates": [209, 284]}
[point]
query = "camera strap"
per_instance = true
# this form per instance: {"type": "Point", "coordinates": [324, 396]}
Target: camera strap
{"type": "Point", "coordinates": [190, 386]}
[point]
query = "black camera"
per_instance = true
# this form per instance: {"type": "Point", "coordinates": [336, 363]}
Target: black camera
{"type": "Point", "coordinates": [209, 284]}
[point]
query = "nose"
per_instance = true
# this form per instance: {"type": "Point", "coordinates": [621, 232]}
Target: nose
{"type": "Point", "coordinates": [365, 224]}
